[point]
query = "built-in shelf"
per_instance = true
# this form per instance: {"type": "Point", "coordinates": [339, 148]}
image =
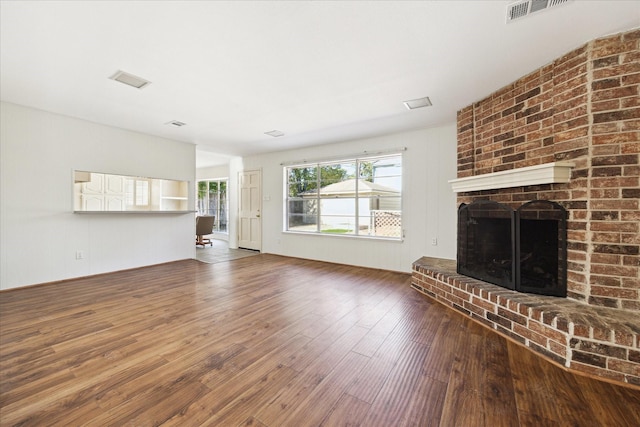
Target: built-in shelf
{"type": "Point", "coordinates": [549, 173]}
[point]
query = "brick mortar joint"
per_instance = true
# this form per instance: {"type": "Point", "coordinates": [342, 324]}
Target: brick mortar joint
{"type": "Point", "coordinates": [589, 240]}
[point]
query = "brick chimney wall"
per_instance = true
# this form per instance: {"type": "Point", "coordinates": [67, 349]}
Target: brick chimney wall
{"type": "Point", "coordinates": [584, 108]}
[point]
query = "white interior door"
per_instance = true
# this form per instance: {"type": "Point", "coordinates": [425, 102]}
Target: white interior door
{"type": "Point", "coordinates": [250, 226]}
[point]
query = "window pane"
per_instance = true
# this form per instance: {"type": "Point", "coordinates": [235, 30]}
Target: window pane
{"type": "Point", "coordinates": [380, 203]}
{"type": "Point", "coordinates": [201, 205]}
{"type": "Point", "coordinates": [212, 208]}
{"type": "Point", "coordinates": [302, 180]}
{"type": "Point", "coordinates": [296, 191]}
{"type": "Point", "coordinates": [222, 220]}
{"type": "Point", "coordinates": [385, 171]}
{"type": "Point", "coordinates": [365, 170]}
{"type": "Point", "coordinates": [337, 172]}
{"type": "Point", "coordinates": [307, 207]}
{"type": "Point", "coordinates": [212, 200]}
{"type": "Point", "coordinates": [307, 173]}
{"type": "Point", "coordinates": [385, 224]}
{"type": "Point", "coordinates": [390, 182]}
{"type": "Point", "coordinates": [303, 215]}
{"type": "Point", "coordinates": [339, 207]}
{"type": "Point", "coordinates": [337, 224]}
{"type": "Point", "coordinates": [338, 216]}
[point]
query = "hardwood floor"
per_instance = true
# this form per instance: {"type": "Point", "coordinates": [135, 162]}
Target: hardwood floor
{"type": "Point", "coordinates": [219, 251]}
{"type": "Point", "coordinates": [273, 341]}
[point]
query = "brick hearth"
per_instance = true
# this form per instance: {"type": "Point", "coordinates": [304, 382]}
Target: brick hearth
{"type": "Point", "coordinates": [598, 341]}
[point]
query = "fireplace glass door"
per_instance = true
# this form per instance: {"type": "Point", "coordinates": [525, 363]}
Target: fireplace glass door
{"type": "Point", "coordinates": [542, 248]}
{"type": "Point", "coordinates": [486, 242]}
{"type": "Point", "coordinates": [524, 250]}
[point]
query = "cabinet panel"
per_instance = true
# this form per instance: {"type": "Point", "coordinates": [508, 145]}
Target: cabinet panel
{"type": "Point", "coordinates": [93, 202]}
{"type": "Point", "coordinates": [114, 184]}
{"type": "Point", "coordinates": [95, 186]}
{"type": "Point", "coordinates": [114, 203]}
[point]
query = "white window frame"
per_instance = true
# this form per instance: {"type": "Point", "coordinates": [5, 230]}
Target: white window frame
{"type": "Point", "coordinates": [360, 230]}
{"type": "Point", "coordinates": [218, 219]}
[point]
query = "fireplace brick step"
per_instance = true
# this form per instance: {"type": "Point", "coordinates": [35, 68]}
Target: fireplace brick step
{"type": "Point", "coordinates": [598, 341]}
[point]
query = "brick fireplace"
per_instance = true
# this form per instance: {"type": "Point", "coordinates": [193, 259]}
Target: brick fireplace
{"type": "Point", "coordinates": [581, 110]}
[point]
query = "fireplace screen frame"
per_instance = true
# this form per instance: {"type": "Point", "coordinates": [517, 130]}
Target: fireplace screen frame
{"type": "Point", "coordinates": [478, 214]}
{"type": "Point", "coordinates": [525, 275]}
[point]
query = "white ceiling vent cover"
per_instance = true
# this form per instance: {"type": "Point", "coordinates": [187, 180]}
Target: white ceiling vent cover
{"type": "Point", "coordinates": [130, 79]}
{"type": "Point", "coordinates": [176, 123]}
{"type": "Point", "coordinates": [527, 7]}
{"type": "Point", "coordinates": [274, 133]}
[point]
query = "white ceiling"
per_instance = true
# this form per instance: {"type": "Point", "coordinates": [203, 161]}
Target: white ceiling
{"type": "Point", "coordinates": [319, 71]}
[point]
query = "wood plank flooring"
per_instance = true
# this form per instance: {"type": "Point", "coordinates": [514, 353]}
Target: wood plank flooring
{"type": "Point", "coordinates": [273, 341]}
{"type": "Point", "coordinates": [219, 251]}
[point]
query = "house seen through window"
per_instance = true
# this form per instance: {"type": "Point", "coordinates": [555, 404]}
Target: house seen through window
{"type": "Point", "coordinates": [356, 197]}
{"type": "Point", "coordinates": [212, 200]}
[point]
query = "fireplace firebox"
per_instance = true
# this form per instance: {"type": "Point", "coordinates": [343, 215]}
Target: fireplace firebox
{"type": "Point", "coordinates": [524, 250]}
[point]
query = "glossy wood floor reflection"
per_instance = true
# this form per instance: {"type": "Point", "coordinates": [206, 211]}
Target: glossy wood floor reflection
{"type": "Point", "coordinates": [218, 251]}
{"type": "Point", "coordinates": [273, 341]}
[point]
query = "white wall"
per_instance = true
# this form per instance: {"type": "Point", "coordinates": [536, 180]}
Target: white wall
{"type": "Point", "coordinates": [39, 232]}
{"type": "Point", "coordinates": [429, 205]}
{"type": "Point", "coordinates": [236, 165]}
{"type": "Point", "coordinates": [212, 172]}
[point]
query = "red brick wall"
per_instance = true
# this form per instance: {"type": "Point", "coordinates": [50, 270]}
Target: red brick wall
{"type": "Point", "coordinates": [585, 108]}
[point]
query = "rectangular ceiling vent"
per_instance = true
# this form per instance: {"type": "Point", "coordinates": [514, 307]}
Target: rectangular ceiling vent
{"type": "Point", "coordinates": [274, 133]}
{"type": "Point", "coordinates": [524, 8]}
{"type": "Point", "coordinates": [176, 123]}
{"type": "Point", "coordinates": [130, 79]}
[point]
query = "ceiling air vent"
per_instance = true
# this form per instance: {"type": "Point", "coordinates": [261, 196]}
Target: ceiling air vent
{"type": "Point", "coordinates": [274, 133]}
{"type": "Point", "coordinates": [130, 79]}
{"type": "Point", "coordinates": [176, 123]}
{"type": "Point", "coordinates": [527, 7]}
{"type": "Point", "coordinates": [418, 103]}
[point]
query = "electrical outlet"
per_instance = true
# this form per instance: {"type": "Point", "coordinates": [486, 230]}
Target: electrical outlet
{"type": "Point", "coordinates": [434, 241]}
{"type": "Point", "coordinates": [79, 254]}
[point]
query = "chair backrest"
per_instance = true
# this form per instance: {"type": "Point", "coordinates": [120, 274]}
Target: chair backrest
{"type": "Point", "coordinates": [204, 225]}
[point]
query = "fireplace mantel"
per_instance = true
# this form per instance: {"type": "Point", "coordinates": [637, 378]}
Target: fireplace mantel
{"type": "Point", "coordinates": [548, 173]}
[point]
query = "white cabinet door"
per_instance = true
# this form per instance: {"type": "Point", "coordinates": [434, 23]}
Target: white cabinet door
{"type": "Point", "coordinates": [114, 184]}
{"type": "Point", "coordinates": [114, 203]}
{"type": "Point", "coordinates": [95, 186]}
{"type": "Point", "coordinates": [93, 202]}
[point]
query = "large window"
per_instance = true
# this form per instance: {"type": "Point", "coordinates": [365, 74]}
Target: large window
{"type": "Point", "coordinates": [356, 197]}
{"type": "Point", "coordinates": [212, 200]}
